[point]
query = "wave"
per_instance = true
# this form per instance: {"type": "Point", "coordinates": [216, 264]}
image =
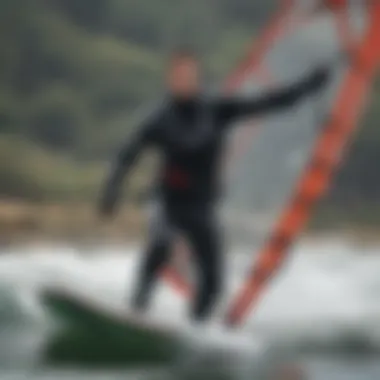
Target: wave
{"type": "Point", "coordinates": [329, 273]}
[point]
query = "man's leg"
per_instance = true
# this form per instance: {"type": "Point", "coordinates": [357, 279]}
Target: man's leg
{"type": "Point", "coordinates": [204, 239]}
{"type": "Point", "coordinates": [156, 256]}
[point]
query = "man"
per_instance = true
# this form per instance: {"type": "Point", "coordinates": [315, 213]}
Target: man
{"type": "Point", "coordinates": [189, 130]}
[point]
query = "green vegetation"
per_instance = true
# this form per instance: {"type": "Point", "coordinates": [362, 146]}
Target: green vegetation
{"type": "Point", "coordinates": [73, 73]}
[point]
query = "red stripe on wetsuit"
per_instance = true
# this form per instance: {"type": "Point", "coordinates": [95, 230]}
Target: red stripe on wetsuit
{"type": "Point", "coordinates": [177, 178]}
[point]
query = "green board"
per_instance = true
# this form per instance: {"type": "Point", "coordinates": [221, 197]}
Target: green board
{"type": "Point", "coordinates": [93, 334]}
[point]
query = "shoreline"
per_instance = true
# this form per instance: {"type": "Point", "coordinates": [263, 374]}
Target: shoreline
{"type": "Point", "coordinates": [76, 222]}
{"type": "Point", "coordinates": [29, 223]}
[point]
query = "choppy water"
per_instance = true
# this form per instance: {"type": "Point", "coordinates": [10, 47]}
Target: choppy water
{"type": "Point", "coordinates": [322, 313]}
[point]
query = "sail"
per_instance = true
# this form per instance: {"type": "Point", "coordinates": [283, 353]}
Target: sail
{"type": "Point", "coordinates": [271, 153]}
{"type": "Point", "coordinates": [291, 161]}
{"type": "Point", "coordinates": [279, 165]}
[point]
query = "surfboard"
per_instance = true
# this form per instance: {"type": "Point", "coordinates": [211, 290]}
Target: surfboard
{"type": "Point", "coordinates": [95, 332]}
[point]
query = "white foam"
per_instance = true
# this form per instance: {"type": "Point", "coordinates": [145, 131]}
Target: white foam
{"type": "Point", "coordinates": [323, 285]}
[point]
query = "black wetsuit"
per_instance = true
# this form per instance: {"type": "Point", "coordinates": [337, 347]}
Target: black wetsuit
{"type": "Point", "coordinates": [190, 134]}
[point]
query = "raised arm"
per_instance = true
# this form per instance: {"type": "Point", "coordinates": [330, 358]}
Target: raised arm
{"type": "Point", "coordinates": [232, 109]}
{"type": "Point", "coordinates": [125, 159]}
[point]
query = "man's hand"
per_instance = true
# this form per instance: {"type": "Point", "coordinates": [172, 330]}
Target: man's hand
{"type": "Point", "coordinates": [318, 79]}
{"type": "Point", "coordinates": [106, 208]}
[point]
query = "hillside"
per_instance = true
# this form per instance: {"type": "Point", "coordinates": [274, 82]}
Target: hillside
{"type": "Point", "coordinates": [73, 73]}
